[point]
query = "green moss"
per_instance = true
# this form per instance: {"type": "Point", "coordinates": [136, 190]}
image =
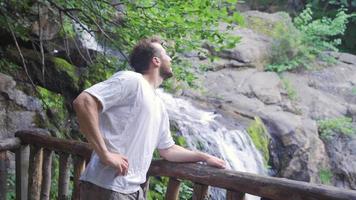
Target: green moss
{"type": "Point", "coordinates": [272, 29]}
{"type": "Point", "coordinates": [325, 176]}
{"type": "Point", "coordinates": [7, 67]}
{"type": "Point", "coordinates": [55, 104]}
{"type": "Point", "coordinates": [289, 88]}
{"type": "Point", "coordinates": [340, 125]}
{"type": "Point", "coordinates": [64, 66]}
{"type": "Point", "coordinates": [260, 137]}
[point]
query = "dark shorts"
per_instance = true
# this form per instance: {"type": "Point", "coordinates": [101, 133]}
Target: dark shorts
{"type": "Point", "coordinates": [90, 191]}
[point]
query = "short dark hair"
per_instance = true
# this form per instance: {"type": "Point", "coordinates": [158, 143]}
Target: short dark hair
{"type": "Point", "coordinates": [143, 52]}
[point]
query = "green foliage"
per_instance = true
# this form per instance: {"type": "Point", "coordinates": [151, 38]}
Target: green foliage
{"type": "Point", "coordinates": [320, 33]}
{"type": "Point", "coordinates": [330, 8]}
{"type": "Point", "coordinates": [184, 76]}
{"type": "Point", "coordinates": [291, 93]}
{"type": "Point", "coordinates": [55, 177]}
{"type": "Point", "coordinates": [341, 125]}
{"type": "Point", "coordinates": [67, 29]}
{"type": "Point", "coordinates": [53, 101]}
{"type": "Point", "coordinates": [120, 26]}
{"type": "Point", "coordinates": [7, 67]}
{"type": "Point", "coordinates": [101, 69]}
{"type": "Point", "coordinates": [325, 176]}
{"type": "Point", "coordinates": [10, 193]}
{"type": "Point", "coordinates": [54, 104]}
{"type": "Point", "coordinates": [15, 21]}
{"type": "Point", "coordinates": [158, 189]}
{"type": "Point", "coordinates": [260, 138]}
{"type": "Point", "coordinates": [310, 39]}
{"type": "Point", "coordinates": [353, 91]}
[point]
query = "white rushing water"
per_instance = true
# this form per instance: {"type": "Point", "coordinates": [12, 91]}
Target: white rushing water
{"type": "Point", "coordinates": [203, 132]}
{"type": "Point", "coordinates": [88, 40]}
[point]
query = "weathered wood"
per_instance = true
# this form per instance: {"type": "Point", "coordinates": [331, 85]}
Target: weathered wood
{"type": "Point", "coordinates": [200, 191]}
{"type": "Point", "coordinates": [9, 144]}
{"type": "Point", "coordinates": [35, 173]}
{"type": "Point", "coordinates": [69, 146]}
{"type": "Point", "coordinates": [63, 180]}
{"type": "Point", "coordinates": [172, 189]}
{"type": "Point", "coordinates": [263, 186]}
{"type": "Point", "coordinates": [46, 174]}
{"type": "Point", "coordinates": [79, 166]}
{"type": "Point", "coordinates": [233, 195]}
{"type": "Point", "coordinates": [22, 168]}
{"type": "Point", "coordinates": [3, 174]}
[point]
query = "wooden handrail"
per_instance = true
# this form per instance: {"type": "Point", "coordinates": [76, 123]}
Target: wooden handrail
{"type": "Point", "coordinates": [56, 144]}
{"type": "Point", "coordinates": [263, 186]}
{"type": "Point", "coordinates": [236, 183]}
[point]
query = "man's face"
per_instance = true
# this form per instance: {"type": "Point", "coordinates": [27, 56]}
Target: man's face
{"type": "Point", "coordinates": [165, 67]}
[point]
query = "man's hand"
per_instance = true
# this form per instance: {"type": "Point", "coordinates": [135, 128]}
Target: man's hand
{"type": "Point", "coordinates": [117, 161]}
{"type": "Point", "coordinates": [215, 162]}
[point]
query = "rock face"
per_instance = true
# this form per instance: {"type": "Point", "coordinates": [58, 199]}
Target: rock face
{"type": "Point", "coordinates": [290, 105]}
{"type": "Point", "coordinates": [299, 152]}
{"type": "Point", "coordinates": [18, 110]}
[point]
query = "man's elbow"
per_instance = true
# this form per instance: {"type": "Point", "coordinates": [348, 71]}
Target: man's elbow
{"type": "Point", "coordinates": [78, 102]}
{"type": "Point", "coordinates": [164, 153]}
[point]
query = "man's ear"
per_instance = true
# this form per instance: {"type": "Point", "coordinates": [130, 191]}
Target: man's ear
{"type": "Point", "coordinates": [156, 60]}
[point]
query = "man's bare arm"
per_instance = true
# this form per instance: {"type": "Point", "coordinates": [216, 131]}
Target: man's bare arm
{"type": "Point", "coordinates": [179, 154]}
{"type": "Point", "coordinates": [87, 108]}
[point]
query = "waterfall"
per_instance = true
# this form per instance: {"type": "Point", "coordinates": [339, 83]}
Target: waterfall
{"type": "Point", "coordinates": [203, 132]}
{"type": "Point", "coordinates": [87, 40]}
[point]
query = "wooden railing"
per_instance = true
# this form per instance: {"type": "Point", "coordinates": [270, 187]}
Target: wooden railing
{"type": "Point", "coordinates": [33, 174]}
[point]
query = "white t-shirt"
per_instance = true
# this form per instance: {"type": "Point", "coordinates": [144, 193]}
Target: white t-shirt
{"type": "Point", "coordinates": [133, 122]}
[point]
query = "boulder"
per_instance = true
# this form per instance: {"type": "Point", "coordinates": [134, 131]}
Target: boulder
{"type": "Point", "coordinates": [342, 152]}
{"type": "Point", "coordinates": [252, 50]}
{"type": "Point", "coordinates": [18, 110]}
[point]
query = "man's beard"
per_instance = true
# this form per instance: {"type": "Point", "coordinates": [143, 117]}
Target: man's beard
{"type": "Point", "coordinates": [165, 73]}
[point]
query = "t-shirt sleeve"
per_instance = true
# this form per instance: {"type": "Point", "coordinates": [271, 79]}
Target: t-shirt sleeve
{"type": "Point", "coordinates": [165, 141]}
{"type": "Point", "coordinates": [116, 91]}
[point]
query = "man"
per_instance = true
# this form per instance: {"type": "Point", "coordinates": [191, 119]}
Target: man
{"type": "Point", "coordinates": [125, 121]}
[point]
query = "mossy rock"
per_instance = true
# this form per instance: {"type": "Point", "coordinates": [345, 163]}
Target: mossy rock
{"type": "Point", "coordinates": [57, 74]}
{"type": "Point", "coordinates": [260, 138]}
{"type": "Point", "coordinates": [65, 67]}
{"type": "Point", "coordinates": [272, 25]}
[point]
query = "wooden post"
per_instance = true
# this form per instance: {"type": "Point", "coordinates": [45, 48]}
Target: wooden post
{"type": "Point", "coordinates": [22, 162]}
{"type": "Point", "coordinates": [63, 180]}
{"type": "Point", "coordinates": [233, 195]}
{"type": "Point", "coordinates": [173, 189]}
{"type": "Point", "coordinates": [200, 191]}
{"type": "Point", "coordinates": [3, 174]}
{"type": "Point", "coordinates": [35, 173]}
{"type": "Point", "coordinates": [47, 174]}
{"type": "Point", "coordinates": [79, 166]}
